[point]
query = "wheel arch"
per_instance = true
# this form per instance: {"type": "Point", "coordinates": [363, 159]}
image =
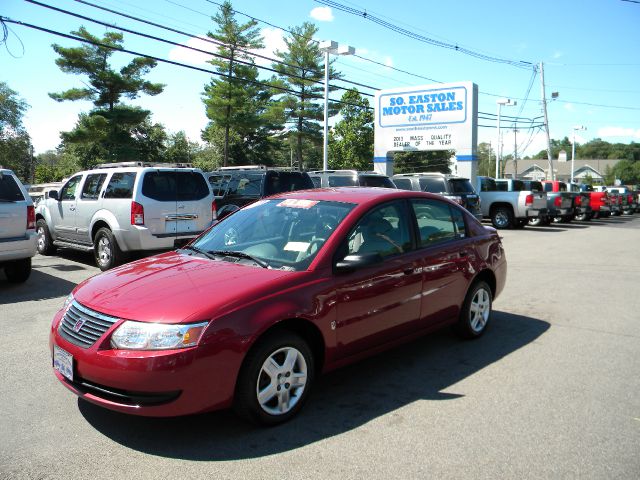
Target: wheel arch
{"type": "Point", "coordinates": [487, 276]}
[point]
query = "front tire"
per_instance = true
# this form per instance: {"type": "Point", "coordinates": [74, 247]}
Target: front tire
{"type": "Point", "coordinates": [45, 242]}
{"type": "Point", "coordinates": [105, 249]}
{"type": "Point", "coordinates": [476, 311]}
{"type": "Point", "coordinates": [502, 217]}
{"type": "Point", "coordinates": [275, 379]}
{"type": "Point", "coordinates": [18, 271]}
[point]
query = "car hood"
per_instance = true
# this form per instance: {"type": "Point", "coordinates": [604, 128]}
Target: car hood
{"type": "Point", "coordinates": [175, 287]}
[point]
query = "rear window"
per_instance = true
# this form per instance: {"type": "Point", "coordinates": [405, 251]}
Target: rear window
{"type": "Point", "coordinates": [403, 183]}
{"type": "Point", "coordinates": [376, 181]}
{"type": "Point", "coordinates": [9, 189]}
{"type": "Point", "coordinates": [518, 185]}
{"type": "Point", "coordinates": [278, 182]}
{"type": "Point", "coordinates": [488, 185]}
{"type": "Point", "coordinates": [535, 186]}
{"type": "Point", "coordinates": [120, 185]}
{"type": "Point", "coordinates": [548, 187]}
{"type": "Point", "coordinates": [460, 185]}
{"type": "Point", "coordinates": [343, 181]}
{"type": "Point", "coordinates": [317, 183]}
{"type": "Point", "coordinates": [246, 185]}
{"type": "Point", "coordinates": [433, 185]}
{"type": "Point", "coordinates": [502, 186]}
{"type": "Point", "coordinates": [173, 186]}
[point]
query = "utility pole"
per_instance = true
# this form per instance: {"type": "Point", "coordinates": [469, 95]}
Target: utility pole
{"type": "Point", "coordinates": [546, 123]}
{"type": "Point", "coordinates": [515, 153]}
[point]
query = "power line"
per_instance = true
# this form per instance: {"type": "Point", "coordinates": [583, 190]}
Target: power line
{"type": "Point", "coordinates": [422, 38]}
{"type": "Point", "coordinates": [163, 60]}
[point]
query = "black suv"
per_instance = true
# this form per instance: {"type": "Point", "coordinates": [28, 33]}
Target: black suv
{"type": "Point", "coordinates": [455, 188]}
{"type": "Point", "coordinates": [349, 178]}
{"type": "Point", "coordinates": [235, 187]}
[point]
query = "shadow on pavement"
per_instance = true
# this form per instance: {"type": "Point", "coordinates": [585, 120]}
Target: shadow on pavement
{"type": "Point", "coordinates": [341, 400]}
{"type": "Point", "coordinates": [39, 286]}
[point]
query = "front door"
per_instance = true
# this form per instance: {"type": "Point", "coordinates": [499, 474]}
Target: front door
{"type": "Point", "coordinates": [63, 212]}
{"type": "Point", "coordinates": [381, 302]}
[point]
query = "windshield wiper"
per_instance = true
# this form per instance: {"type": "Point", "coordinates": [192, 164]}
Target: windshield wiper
{"type": "Point", "coordinates": [233, 253]}
{"type": "Point", "coordinates": [199, 250]}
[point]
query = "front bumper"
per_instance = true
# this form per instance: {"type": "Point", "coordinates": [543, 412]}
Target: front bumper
{"type": "Point", "coordinates": [160, 383]}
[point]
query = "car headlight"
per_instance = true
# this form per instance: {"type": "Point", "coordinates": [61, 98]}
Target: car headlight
{"type": "Point", "coordinates": [156, 336]}
{"type": "Point", "coordinates": [67, 302]}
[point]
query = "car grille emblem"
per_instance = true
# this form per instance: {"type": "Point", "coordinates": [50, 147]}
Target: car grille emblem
{"type": "Point", "coordinates": [78, 325]}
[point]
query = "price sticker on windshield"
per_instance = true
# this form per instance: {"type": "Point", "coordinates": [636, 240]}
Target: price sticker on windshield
{"type": "Point", "coordinates": [297, 203]}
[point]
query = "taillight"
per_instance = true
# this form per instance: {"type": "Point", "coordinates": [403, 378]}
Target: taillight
{"type": "Point", "coordinates": [137, 214]}
{"type": "Point", "coordinates": [214, 211]}
{"type": "Point", "coordinates": [31, 217]}
{"type": "Point", "coordinates": [629, 198]}
{"type": "Point", "coordinates": [578, 200]}
{"type": "Point", "coordinates": [528, 200]}
{"type": "Point", "coordinates": [557, 201]}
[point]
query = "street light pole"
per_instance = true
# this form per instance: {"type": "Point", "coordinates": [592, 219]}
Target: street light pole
{"type": "Point", "coordinates": [573, 149]}
{"type": "Point", "coordinates": [328, 47]}
{"type": "Point", "coordinates": [501, 102]}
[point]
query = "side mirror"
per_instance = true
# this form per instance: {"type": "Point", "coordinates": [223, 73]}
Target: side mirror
{"type": "Point", "coordinates": [356, 261]}
{"type": "Point", "coordinates": [54, 194]}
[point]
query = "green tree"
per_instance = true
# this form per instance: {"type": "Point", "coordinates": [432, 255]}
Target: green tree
{"type": "Point", "coordinates": [15, 143]}
{"type": "Point", "coordinates": [111, 131]}
{"type": "Point", "coordinates": [180, 149]}
{"type": "Point", "coordinates": [302, 73]}
{"type": "Point", "coordinates": [236, 105]}
{"type": "Point", "coordinates": [351, 139]}
{"type": "Point", "coordinates": [486, 160]}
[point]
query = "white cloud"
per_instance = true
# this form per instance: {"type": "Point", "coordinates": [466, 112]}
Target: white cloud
{"type": "Point", "coordinates": [186, 55]}
{"type": "Point", "coordinates": [388, 61]}
{"type": "Point", "coordinates": [558, 54]}
{"type": "Point", "coordinates": [273, 40]}
{"type": "Point", "coordinates": [569, 107]}
{"type": "Point", "coordinates": [618, 132]}
{"type": "Point", "coordinates": [322, 14]}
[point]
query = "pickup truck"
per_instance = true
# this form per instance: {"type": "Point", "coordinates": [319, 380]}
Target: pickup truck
{"type": "Point", "coordinates": [562, 199]}
{"type": "Point", "coordinates": [509, 209]}
{"type": "Point", "coordinates": [582, 210]}
{"type": "Point", "coordinates": [599, 201]}
{"type": "Point", "coordinates": [615, 199]}
{"type": "Point", "coordinates": [629, 203]}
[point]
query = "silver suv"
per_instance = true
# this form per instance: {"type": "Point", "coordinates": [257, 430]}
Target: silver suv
{"type": "Point", "coordinates": [349, 178]}
{"type": "Point", "coordinates": [17, 228]}
{"type": "Point", "coordinates": [124, 207]}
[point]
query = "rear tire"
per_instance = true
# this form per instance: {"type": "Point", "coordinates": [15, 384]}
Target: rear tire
{"type": "Point", "coordinates": [45, 242]}
{"type": "Point", "coordinates": [476, 311]}
{"type": "Point", "coordinates": [105, 250]}
{"type": "Point", "coordinates": [18, 271]}
{"type": "Point", "coordinates": [275, 379]}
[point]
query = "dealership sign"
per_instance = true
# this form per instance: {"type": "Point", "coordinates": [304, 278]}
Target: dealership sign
{"type": "Point", "coordinates": [429, 117]}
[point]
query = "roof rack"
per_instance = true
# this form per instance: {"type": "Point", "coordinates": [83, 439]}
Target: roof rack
{"type": "Point", "coordinates": [350, 172]}
{"type": "Point", "coordinates": [244, 167]}
{"type": "Point", "coordinates": [144, 164]}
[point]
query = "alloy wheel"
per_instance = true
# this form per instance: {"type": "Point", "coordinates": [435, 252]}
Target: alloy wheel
{"type": "Point", "coordinates": [281, 381]}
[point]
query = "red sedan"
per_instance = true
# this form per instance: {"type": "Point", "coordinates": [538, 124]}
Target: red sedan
{"type": "Point", "coordinates": [253, 310]}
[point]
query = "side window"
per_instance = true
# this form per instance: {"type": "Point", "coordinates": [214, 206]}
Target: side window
{"type": "Point", "coordinates": [250, 186]}
{"type": "Point", "coordinates": [384, 230]}
{"type": "Point", "coordinates": [68, 192]}
{"type": "Point", "coordinates": [219, 184]}
{"type": "Point", "coordinates": [92, 186]}
{"type": "Point", "coordinates": [437, 222]}
{"type": "Point", "coordinates": [120, 185]}
{"type": "Point", "coordinates": [316, 182]}
{"type": "Point", "coordinates": [403, 183]}
{"type": "Point", "coordinates": [9, 189]}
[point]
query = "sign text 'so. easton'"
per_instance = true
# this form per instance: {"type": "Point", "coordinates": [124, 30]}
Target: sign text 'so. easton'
{"type": "Point", "coordinates": [424, 107]}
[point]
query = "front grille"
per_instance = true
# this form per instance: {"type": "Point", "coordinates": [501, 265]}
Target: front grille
{"type": "Point", "coordinates": [83, 326]}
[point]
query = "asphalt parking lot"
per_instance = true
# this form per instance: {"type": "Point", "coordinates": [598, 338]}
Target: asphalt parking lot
{"type": "Point", "coordinates": [551, 391]}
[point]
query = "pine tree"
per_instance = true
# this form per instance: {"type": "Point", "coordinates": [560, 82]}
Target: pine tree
{"type": "Point", "coordinates": [235, 102]}
{"type": "Point", "coordinates": [302, 72]}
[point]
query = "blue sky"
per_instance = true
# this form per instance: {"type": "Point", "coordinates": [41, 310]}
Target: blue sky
{"type": "Point", "coordinates": [590, 49]}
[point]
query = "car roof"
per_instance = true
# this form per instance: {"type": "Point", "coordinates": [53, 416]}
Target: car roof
{"type": "Point", "coordinates": [357, 195]}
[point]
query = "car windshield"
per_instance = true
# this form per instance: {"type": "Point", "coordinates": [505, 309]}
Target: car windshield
{"type": "Point", "coordinates": [283, 234]}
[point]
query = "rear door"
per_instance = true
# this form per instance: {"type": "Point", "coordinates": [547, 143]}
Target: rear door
{"type": "Point", "coordinates": [87, 205]}
{"type": "Point", "coordinates": [13, 208]}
